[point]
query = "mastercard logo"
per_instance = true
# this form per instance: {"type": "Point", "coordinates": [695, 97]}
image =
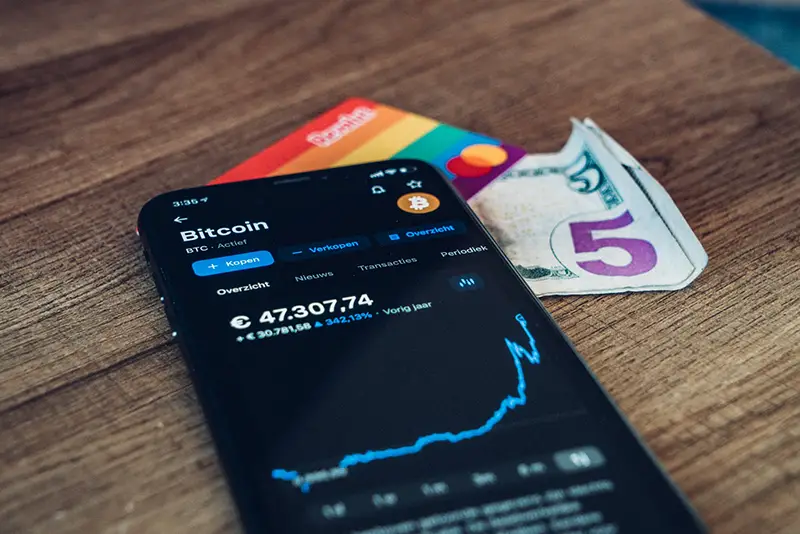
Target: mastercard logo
{"type": "Point", "coordinates": [476, 160]}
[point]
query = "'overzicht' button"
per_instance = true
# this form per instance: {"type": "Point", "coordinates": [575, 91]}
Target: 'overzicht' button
{"type": "Point", "coordinates": [229, 264]}
{"type": "Point", "coordinates": [417, 233]}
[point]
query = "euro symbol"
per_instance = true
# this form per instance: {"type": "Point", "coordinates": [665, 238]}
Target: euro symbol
{"type": "Point", "coordinates": [240, 322]}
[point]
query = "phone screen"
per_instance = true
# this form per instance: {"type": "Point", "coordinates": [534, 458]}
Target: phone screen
{"type": "Point", "coordinates": [369, 362]}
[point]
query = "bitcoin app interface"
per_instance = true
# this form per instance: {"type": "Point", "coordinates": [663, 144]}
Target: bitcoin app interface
{"type": "Point", "coordinates": [370, 363]}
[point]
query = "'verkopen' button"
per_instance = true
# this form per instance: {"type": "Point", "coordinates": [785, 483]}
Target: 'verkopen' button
{"type": "Point", "coordinates": [323, 248]}
{"type": "Point", "coordinates": [229, 264]}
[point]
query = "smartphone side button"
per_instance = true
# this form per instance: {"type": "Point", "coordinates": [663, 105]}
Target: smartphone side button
{"type": "Point", "coordinates": [170, 317]}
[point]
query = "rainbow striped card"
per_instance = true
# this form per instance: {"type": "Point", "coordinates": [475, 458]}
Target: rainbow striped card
{"type": "Point", "coordinates": [360, 131]}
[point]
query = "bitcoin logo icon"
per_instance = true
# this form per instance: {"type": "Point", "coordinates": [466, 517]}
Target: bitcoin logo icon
{"type": "Point", "coordinates": [418, 203]}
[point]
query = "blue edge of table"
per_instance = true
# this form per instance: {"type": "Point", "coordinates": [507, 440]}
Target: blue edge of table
{"type": "Point", "coordinates": [775, 27]}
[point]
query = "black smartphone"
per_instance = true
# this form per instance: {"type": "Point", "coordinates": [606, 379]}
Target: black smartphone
{"type": "Point", "coordinates": [370, 362]}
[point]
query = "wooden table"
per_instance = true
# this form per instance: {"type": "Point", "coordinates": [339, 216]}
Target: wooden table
{"type": "Point", "coordinates": [105, 103]}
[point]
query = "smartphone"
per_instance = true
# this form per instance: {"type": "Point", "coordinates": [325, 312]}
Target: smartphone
{"type": "Point", "coordinates": [370, 362]}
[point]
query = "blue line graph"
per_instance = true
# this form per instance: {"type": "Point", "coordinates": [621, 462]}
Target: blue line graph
{"type": "Point", "coordinates": [518, 353]}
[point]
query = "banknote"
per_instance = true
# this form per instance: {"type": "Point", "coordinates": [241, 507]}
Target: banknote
{"type": "Point", "coordinates": [589, 219]}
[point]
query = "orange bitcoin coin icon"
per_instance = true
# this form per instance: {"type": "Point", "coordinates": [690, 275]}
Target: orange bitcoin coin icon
{"type": "Point", "coordinates": [418, 203]}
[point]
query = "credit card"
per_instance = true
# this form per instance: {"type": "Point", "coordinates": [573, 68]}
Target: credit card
{"type": "Point", "coordinates": [360, 131]}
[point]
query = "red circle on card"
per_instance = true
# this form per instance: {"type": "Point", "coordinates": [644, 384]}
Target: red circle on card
{"type": "Point", "coordinates": [462, 169]}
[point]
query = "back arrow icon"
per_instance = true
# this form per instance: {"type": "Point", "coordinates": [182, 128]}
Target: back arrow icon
{"type": "Point", "coordinates": [180, 219]}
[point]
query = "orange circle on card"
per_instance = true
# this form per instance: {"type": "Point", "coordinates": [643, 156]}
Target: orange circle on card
{"type": "Point", "coordinates": [484, 155]}
{"type": "Point", "coordinates": [418, 203]}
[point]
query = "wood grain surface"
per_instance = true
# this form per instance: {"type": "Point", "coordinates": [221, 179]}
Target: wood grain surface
{"type": "Point", "coordinates": [106, 103]}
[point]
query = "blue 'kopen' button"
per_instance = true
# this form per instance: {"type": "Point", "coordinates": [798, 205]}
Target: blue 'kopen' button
{"type": "Point", "coordinates": [237, 262]}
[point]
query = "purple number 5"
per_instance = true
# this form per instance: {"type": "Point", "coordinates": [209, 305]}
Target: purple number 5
{"type": "Point", "coordinates": [643, 254]}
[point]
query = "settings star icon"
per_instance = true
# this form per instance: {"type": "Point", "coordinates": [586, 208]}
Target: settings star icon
{"type": "Point", "coordinates": [414, 184]}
